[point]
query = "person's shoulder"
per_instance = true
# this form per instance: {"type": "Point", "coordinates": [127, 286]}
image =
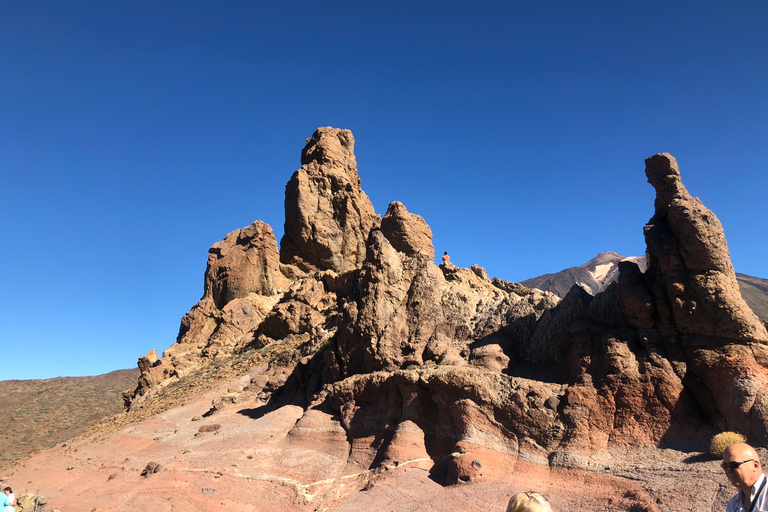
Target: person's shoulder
{"type": "Point", "coordinates": [732, 503]}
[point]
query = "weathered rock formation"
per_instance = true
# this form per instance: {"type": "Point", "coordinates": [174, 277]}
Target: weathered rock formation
{"type": "Point", "coordinates": [327, 214]}
{"type": "Point", "coordinates": [690, 265]}
{"type": "Point", "coordinates": [688, 301]}
{"type": "Point", "coordinates": [241, 288]}
{"type": "Point", "coordinates": [442, 363]}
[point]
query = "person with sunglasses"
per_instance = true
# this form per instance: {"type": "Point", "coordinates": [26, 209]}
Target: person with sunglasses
{"type": "Point", "coordinates": [742, 467]}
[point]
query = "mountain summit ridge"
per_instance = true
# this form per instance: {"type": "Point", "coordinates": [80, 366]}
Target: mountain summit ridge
{"type": "Point", "coordinates": [594, 276]}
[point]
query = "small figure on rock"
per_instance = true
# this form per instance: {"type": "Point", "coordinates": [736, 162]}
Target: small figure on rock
{"type": "Point", "coordinates": [446, 258]}
{"type": "Point", "coordinates": [528, 502]}
{"type": "Point", "coordinates": [742, 467]}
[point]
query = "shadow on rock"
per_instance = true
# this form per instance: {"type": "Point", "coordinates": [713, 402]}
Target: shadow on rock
{"type": "Point", "coordinates": [256, 412]}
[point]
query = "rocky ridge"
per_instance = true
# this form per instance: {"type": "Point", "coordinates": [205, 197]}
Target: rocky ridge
{"type": "Point", "coordinates": [411, 361]}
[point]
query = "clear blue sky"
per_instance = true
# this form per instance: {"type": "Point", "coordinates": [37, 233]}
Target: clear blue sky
{"type": "Point", "coordinates": [134, 135]}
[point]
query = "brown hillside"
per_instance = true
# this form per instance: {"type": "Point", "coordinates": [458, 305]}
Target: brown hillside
{"type": "Point", "coordinates": [755, 292]}
{"type": "Point", "coordinates": [41, 413]}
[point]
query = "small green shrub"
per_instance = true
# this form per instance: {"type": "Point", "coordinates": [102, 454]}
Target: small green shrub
{"type": "Point", "coordinates": [722, 441]}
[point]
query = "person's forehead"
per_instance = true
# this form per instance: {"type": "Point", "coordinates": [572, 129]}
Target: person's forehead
{"type": "Point", "coordinates": [736, 452]}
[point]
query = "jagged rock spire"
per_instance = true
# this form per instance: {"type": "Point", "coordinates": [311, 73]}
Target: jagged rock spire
{"type": "Point", "coordinates": [689, 261]}
{"type": "Point", "coordinates": [327, 215]}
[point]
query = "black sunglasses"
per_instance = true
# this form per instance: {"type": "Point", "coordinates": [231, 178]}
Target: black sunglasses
{"type": "Point", "coordinates": [734, 465]}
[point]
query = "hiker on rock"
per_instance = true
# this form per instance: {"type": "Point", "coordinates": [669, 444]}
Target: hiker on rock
{"type": "Point", "coordinates": [446, 258]}
{"type": "Point", "coordinates": [742, 467]}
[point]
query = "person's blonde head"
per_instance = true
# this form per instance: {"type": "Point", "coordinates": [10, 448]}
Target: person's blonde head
{"type": "Point", "coordinates": [528, 502]}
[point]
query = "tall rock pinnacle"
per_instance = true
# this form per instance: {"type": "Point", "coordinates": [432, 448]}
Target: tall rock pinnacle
{"type": "Point", "coordinates": [689, 259]}
{"type": "Point", "coordinates": [327, 215]}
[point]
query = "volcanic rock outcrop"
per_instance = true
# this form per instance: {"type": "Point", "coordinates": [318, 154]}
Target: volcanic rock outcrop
{"type": "Point", "coordinates": [423, 362]}
{"type": "Point", "coordinates": [327, 214]}
{"type": "Point", "coordinates": [241, 287]}
{"type": "Point", "coordinates": [688, 301]}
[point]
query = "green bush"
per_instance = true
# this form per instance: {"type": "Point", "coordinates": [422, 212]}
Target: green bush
{"type": "Point", "coordinates": [722, 441]}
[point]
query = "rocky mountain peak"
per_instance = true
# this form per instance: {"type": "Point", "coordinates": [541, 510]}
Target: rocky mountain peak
{"type": "Point", "coordinates": [332, 149]}
{"type": "Point", "coordinates": [593, 276]}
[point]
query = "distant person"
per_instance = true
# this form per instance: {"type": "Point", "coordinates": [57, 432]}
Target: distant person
{"type": "Point", "coordinates": [446, 258]}
{"type": "Point", "coordinates": [528, 502]}
{"type": "Point", "coordinates": [742, 467]}
{"type": "Point", "coordinates": [7, 500]}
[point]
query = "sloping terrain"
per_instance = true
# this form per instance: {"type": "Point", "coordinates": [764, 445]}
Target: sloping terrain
{"type": "Point", "coordinates": [37, 414]}
{"type": "Point", "coordinates": [247, 457]}
{"type": "Point", "coordinates": [755, 293]}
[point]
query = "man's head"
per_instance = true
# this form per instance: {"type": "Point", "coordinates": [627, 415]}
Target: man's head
{"type": "Point", "coordinates": [741, 465]}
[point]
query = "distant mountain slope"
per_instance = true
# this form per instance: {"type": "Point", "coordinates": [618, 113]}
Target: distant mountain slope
{"type": "Point", "coordinates": [37, 414]}
{"type": "Point", "coordinates": [594, 275]}
{"type": "Point", "coordinates": [755, 293]}
{"type": "Point", "coordinates": [599, 272]}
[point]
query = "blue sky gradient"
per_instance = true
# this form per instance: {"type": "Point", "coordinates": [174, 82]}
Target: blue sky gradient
{"type": "Point", "coordinates": [134, 135]}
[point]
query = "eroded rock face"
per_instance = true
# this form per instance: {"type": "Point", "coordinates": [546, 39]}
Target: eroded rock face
{"type": "Point", "coordinates": [327, 214]}
{"type": "Point", "coordinates": [687, 307]}
{"type": "Point", "coordinates": [689, 263]}
{"type": "Point", "coordinates": [440, 364]}
{"type": "Point", "coordinates": [406, 311]}
{"type": "Point", "coordinates": [246, 261]}
{"type": "Point", "coordinates": [408, 233]}
{"type": "Point", "coordinates": [447, 415]}
{"type": "Point", "coordinates": [242, 284]}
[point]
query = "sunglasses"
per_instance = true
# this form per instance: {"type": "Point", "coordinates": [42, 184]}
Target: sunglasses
{"type": "Point", "coordinates": [734, 465]}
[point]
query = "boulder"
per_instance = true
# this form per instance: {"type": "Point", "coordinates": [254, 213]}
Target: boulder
{"type": "Point", "coordinates": [246, 261]}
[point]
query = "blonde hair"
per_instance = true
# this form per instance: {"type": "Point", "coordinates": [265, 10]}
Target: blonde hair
{"type": "Point", "coordinates": [528, 502]}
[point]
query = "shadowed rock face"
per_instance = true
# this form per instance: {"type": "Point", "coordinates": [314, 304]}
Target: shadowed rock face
{"type": "Point", "coordinates": [327, 214]}
{"type": "Point", "coordinates": [422, 361]}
